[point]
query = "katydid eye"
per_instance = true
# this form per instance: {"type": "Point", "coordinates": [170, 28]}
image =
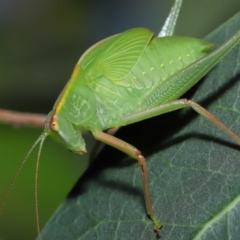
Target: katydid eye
{"type": "Point", "coordinates": [53, 125]}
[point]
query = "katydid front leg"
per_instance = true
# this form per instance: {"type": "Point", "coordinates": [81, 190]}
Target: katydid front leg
{"type": "Point", "coordinates": [97, 145]}
{"type": "Point", "coordinates": [136, 154]}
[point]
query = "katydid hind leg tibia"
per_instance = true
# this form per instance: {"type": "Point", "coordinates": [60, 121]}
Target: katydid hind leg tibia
{"type": "Point", "coordinates": [171, 21]}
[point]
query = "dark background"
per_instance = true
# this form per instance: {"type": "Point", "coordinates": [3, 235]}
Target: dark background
{"type": "Point", "coordinates": [40, 42]}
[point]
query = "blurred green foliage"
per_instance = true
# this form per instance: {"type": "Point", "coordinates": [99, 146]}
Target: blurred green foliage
{"type": "Point", "coordinates": [40, 42]}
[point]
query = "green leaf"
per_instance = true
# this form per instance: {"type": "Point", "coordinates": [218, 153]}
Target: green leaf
{"type": "Point", "coordinates": [194, 171]}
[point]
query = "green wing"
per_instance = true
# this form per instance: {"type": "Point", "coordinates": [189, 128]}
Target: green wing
{"type": "Point", "coordinates": [94, 51]}
{"type": "Point", "coordinates": [118, 55]}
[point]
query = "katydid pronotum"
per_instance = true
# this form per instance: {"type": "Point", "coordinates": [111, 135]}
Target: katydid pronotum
{"type": "Point", "coordinates": [150, 73]}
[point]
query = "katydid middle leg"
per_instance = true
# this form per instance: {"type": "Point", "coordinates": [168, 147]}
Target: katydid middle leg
{"type": "Point", "coordinates": [175, 105]}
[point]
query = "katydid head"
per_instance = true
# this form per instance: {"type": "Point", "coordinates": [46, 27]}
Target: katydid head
{"type": "Point", "coordinates": [64, 132]}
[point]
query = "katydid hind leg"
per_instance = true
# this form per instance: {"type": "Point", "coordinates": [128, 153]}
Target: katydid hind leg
{"type": "Point", "coordinates": [175, 105]}
{"type": "Point", "coordinates": [171, 21]}
{"type": "Point", "coordinates": [136, 154]}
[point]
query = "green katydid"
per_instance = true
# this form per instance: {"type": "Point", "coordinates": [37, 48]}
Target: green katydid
{"type": "Point", "coordinates": [127, 78]}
